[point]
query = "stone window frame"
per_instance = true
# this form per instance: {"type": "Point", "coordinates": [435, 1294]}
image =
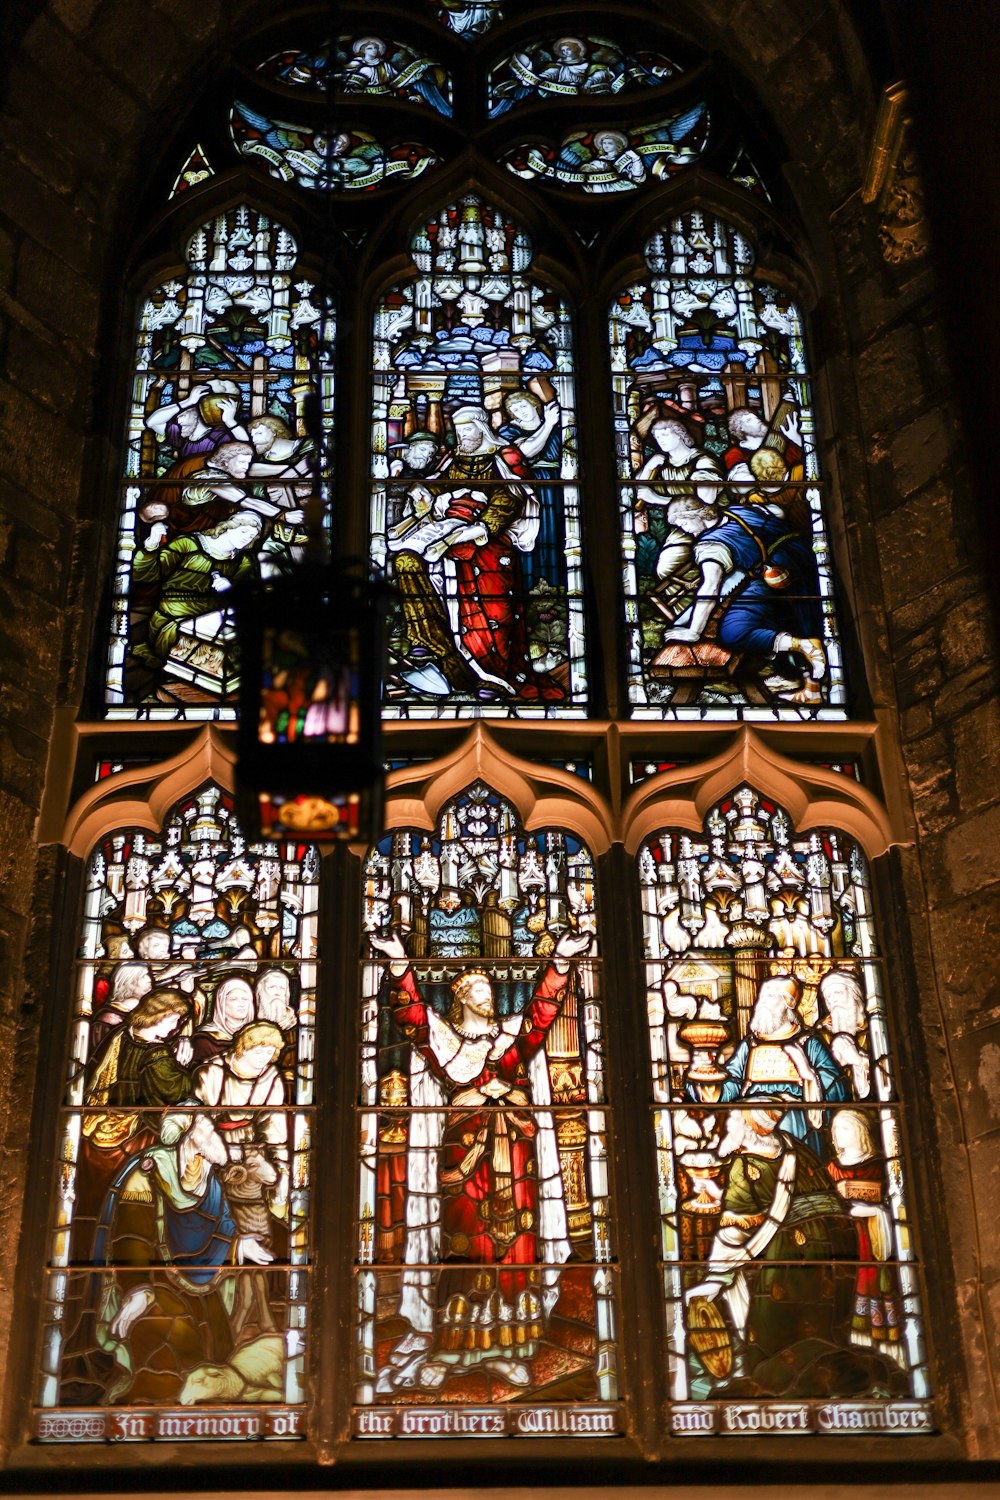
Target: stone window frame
{"type": "Point", "coordinates": [767, 751]}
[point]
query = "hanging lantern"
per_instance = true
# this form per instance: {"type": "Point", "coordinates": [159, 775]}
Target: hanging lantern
{"type": "Point", "coordinates": [310, 755]}
{"type": "Point", "coordinates": [311, 639]}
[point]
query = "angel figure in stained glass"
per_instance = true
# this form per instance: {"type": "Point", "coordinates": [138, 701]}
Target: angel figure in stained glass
{"type": "Point", "coordinates": [469, 17]}
{"type": "Point", "coordinates": [613, 159]}
{"type": "Point", "coordinates": [484, 1184]}
{"type": "Point", "coordinates": [312, 159]}
{"type": "Point", "coordinates": [575, 70]}
{"type": "Point", "coordinates": [372, 69]}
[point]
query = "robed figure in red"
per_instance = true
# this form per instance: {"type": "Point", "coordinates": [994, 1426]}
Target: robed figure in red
{"type": "Point", "coordinates": [458, 571]}
{"type": "Point", "coordinates": [484, 1183]}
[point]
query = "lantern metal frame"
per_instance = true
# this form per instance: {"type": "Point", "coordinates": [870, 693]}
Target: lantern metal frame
{"type": "Point", "coordinates": [310, 729]}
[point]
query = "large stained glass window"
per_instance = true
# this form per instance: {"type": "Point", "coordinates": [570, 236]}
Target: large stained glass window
{"type": "Point", "coordinates": [217, 463]}
{"type": "Point", "coordinates": [485, 1296]}
{"type": "Point", "coordinates": [728, 581]}
{"type": "Point", "coordinates": [475, 508]}
{"type": "Point", "coordinates": [485, 1290]}
{"type": "Point", "coordinates": [789, 1267]}
{"type": "Point", "coordinates": [178, 1283]}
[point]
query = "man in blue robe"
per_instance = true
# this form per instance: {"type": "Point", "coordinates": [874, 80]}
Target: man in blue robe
{"type": "Point", "coordinates": [758, 563]}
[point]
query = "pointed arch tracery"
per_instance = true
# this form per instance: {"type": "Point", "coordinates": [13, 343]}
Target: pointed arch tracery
{"type": "Point", "coordinates": [490, 859]}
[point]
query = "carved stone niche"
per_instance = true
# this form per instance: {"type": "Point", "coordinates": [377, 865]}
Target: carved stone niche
{"type": "Point", "coordinates": [893, 182]}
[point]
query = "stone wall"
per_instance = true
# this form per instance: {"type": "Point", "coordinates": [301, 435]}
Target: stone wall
{"type": "Point", "coordinates": [89, 104]}
{"type": "Point", "coordinates": [940, 641]}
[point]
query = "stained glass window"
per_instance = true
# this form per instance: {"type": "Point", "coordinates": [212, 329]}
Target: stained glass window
{"type": "Point", "coordinates": [485, 1294]}
{"type": "Point", "coordinates": [217, 463]}
{"type": "Point", "coordinates": [475, 510]}
{"type": "Point", "coordinates": [369, 65]}
{"type": "Point", "coordinates": [728, 580]}
{"type": "Point", "coordinates": [567, 66]}
{"type": "Point", "coordinates": [177, 1282]}
{"type": "Point", "coordinates": [606, 160]}
{"type": "Point", "coordinates": [486, 1281]}
{"type": "Point", "coordinates": [790, 1278]}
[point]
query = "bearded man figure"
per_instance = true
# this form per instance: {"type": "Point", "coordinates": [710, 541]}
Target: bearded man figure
{"type": "Point", "coordinates": [465, 611]}
{"type": "Point", "coordinates": [484, 1184]}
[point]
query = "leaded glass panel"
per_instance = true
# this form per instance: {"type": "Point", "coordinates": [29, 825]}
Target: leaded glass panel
{"type": "Point", "coordinates": [485, 1289]}
{"type": "Point", "coordinates": [602, 160]}
{"type": "Point", "coordinates": [790, 1276]}
{"type": "Point", "coordinates": [217, 463]}
{"type": "Point", "coordinates": [475, 507]}
{"type": "Point", "coordinates": [178, 1261]}
{"type": "Point", "coordinates": [195, 169]}
{"type": "Point", "coordinates": [727, 570]}
{"type": "Point", "coordinates": [567, 66]}
{"type": "Point", "coordinates": [368, 65]}
{"type": "Point", "coordinates": [351, 160]}
{"type": "Point", "coordinates": [469, 18]}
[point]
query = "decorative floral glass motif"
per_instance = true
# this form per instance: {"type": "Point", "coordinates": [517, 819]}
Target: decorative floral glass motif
{"type": "Point", "coordinates": [177, 1282]}
{"type": "Point", "coordinates": [352, 160]}
{"type": "Point", "coordinates": [568, 66]}
{"type": "Point", "coordinates": [217, 465]}
{"type": "Point", "coordinates": [485, 1293]}
{"type": "Point", "coordinates": [728, 581]}
{"type": "Point", "coordinates": [196, 169]}
{"type": "Point", "coordinates": [475, 512]}
{"type": "Point", "coordinates": [615, 161]}
{"type": "Point", "coordinates": [366, 65]}
{"type": "Point", "coordinates": [789, 1273]}
{"type": "Point", "coordinates": [745, 173]}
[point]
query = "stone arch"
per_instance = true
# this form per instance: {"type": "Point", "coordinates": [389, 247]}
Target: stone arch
{"type": "Point", "coordinates": [544, 796]}
{"type": "Point", "coordinates": [90, 89]}
{"type": "Point", "coordinates": [812, 796]}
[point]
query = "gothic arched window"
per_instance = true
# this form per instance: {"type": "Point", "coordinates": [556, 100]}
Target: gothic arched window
{"type": "Point", "coordinates": [215, 466]}
{"type": "Point", "coordinates": [618, 633]}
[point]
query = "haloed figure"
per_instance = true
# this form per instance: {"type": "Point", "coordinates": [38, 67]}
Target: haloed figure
{"type": "Point", "coordinates": [467, 622]}
{"type": "Point", "coordinates": [495, 1160]}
